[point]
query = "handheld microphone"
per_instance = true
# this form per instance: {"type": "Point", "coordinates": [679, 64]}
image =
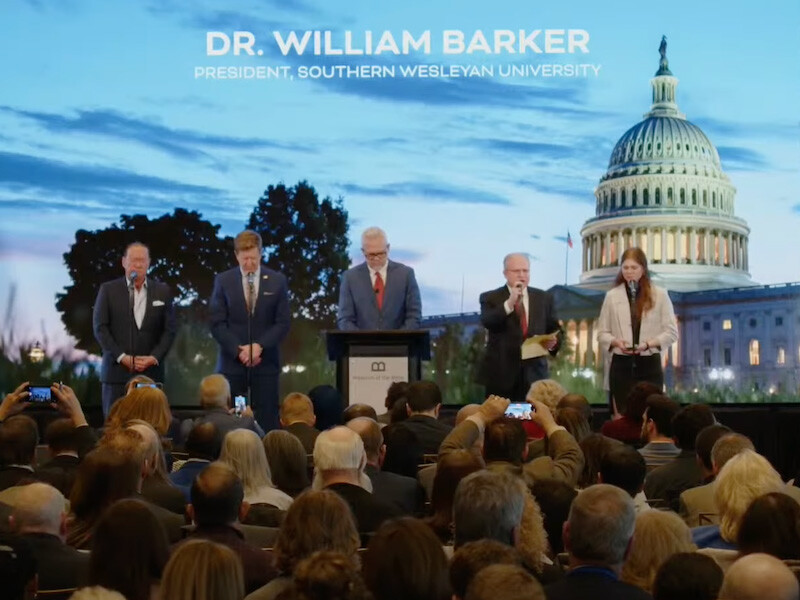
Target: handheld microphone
{"type": "Point", "coordinates": [133, 277]}
{"type": "Point", "coordinates": [250, 277]}
{"type": "Point", "coordinates": [632, 287]}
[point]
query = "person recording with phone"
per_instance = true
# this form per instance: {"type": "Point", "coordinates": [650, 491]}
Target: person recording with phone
{"type": "Point", "coordinates": [134, 323]}
{"type": "Point", "coordinates": [637, 323]}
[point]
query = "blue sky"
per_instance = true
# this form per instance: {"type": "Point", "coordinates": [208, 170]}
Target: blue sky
{"type": "Point", "coordinates": [100, 115]}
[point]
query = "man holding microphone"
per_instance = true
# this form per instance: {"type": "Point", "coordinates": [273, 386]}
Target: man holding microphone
{"type": "Point", "coordinates": [511, 314]}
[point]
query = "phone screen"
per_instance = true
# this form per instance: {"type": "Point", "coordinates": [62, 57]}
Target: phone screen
{"type": "Point", "coordinates": [40, 393]}
{"type": "Point", "coordinates": [519, 410]}
{"type": "Point", "coordinates": [239, 404]}
{"type": "Point", "coordinates": [144, 384]}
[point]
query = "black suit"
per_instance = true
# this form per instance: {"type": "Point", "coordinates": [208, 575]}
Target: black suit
{"type": "Point", "coordinates": [11, 476]}
{"type": "Point", "coordinates": [368, 510]}
{"type": "Point", "coordinates": [305, 433]}
{"type": "Point", "coordinates": [59, 472]}
{"type": "Point", "coordinates": [589, 583]}
{"type": "Point", "coordinates": [112, 320]}
{"type": "Point", "coordinates": [59, 566]}
{"type": "Point", "coordinates": [405, 493]}
{"type": "Point", "coordinates": [503, 371]}
{"type": "Point", "coordinates": [430, 431]}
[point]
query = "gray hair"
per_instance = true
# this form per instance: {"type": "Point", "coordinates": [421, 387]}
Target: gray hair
{"type": "Point", "coordinates": [601, 522]}
{"type": "Point", "coordinates": [39, 507]}
{"type": "Point", "coordinates": [339, 449]}
{"type": "Point", "coordinates": [511, 255]}
{"type": "Point", "coordinates": [374, 233]}
{"type": "Point", "coordinates": [488, 504]}
{"type": "Point", "coordinates": [215, 390]}
{"type": "Point", "coordinates": [728, 446]}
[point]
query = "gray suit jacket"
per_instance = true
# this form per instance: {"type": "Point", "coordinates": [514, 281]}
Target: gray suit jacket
{"type": "Point", "coordinates": [358, 305]}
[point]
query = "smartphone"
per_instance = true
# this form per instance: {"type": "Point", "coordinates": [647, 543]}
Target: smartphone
{"type": "Point", "coordinates": [239, 404]}
{"type": "Point", "coordinates": [144, 384]}
{"type": "Point", "coordinates": [40, 393]}
{"type": "Point", "coordinates": [519, 410]}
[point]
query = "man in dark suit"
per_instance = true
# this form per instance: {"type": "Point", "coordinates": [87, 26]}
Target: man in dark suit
{"type": "Point", "coordinates": [134, 324]}
{"type": "Point", "coordinates": [511, 314]}
{"type": "Point", "coordinates": [18, 438]}
{"type": "Point", "coordinates": [379, 293]}
{"type": "Point", "coordinates": [39, 517]}
{"type": "Point", "coordinates": [249, 318]}
{"type": "Point", "coordinates": [62, 467]}
{"type": "Point", "coordinates": [298, 418]}
{"type": "Point", "coordinates": [404, 492]}
{"type": "Point", "coordinates": [597, 537]}
{"type": "Point", "coordinates": [203, 446]}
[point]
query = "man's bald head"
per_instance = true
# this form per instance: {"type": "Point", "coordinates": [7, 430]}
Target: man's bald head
{"type": "Point", "coordinates": [40, 508]}
{"type": "Point", "coordinates": [759, 576]}
{"type": "Point", "coordinates": [217, 495]}
{"type": "Point", "coordinates": [370, 433]}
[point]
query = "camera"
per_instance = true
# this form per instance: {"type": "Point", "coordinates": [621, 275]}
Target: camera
{"type": "Point", "coordinates": [239, 404]}
{"type": "Point", "coordinates": [40, 393]}
{"type": "Point", "coordinates": [520, 410]}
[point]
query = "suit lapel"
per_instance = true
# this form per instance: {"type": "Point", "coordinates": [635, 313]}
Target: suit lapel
{"type": "Point", "coordinates": [623, 311]}
{"type": "Point", "coordinates": [365, 282]}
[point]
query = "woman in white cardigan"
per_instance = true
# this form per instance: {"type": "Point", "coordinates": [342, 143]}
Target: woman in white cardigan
{"type": "Point", "coordinates": [636, 322]}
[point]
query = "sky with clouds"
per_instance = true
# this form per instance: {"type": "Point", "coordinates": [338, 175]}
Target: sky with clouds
{"type": "Point", "coordinates": [101, 115]}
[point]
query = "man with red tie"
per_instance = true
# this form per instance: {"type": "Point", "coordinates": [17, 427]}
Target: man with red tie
{"type": "Point", "coordinates": [379, 293]}
{"type": "Point", "coordinates": [511, 314]}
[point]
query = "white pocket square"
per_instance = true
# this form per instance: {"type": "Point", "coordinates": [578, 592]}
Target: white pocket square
{"type": "Point", "coordinates": [158, 303]}
{"type": "Point", "coordinates": [268, 294]}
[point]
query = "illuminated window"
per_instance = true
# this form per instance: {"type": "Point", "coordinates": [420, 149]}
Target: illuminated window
{"type": "Point", "coordinates": [726, 324]}
{"type": "Point", "coordinates": [781, 355]}
{"type": "Point", "coordinates": [755, 358]}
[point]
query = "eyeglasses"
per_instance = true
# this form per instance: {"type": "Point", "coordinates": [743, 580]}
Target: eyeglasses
{"type": "Point", "coordinates": [375, 254]}
{"type": "Point", "coordinates": [518, 271]}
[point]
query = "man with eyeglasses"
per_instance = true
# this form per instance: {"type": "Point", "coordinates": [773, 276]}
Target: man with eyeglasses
{"type": "Point", "coordinates": [379, 293]}
{"type": "Point", "coordinates": [511, 314]}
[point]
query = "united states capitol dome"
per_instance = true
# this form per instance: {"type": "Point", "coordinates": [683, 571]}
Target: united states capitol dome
{"type": "Point", "coordinates": [665, 191]}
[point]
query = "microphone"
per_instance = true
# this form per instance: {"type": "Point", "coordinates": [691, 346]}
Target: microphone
{"type": "Point", "coordinates": [250, 277]}
{"type": "Point", "coordinates": [632, 286]}
{"type": "Point", "coordinates": [133, 277]}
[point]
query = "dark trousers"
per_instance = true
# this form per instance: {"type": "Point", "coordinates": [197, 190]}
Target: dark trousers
{"type": "Point", "coordinates": [111, 392]}
{"type": "Point", "coordinates": [263, 397]}
{"type": "Point", "coordinates": [626, 371]}
{"type": "Point", "coordinates": [516, 391]}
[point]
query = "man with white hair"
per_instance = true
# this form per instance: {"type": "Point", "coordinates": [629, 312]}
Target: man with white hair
{"type": "Point", "coordinates": [379, 293]}
{"type": "Point", "coordinates": [339, 461]}
{"type": "Point", "coordinates": [757, 577]}
{"type": "Point", "coordinates": [39, 517]}
{"type": "Point", "coordinates": [215, 398]}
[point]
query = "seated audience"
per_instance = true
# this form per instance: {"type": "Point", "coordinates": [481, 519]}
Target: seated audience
{"type": "Point", "coordinates": [129, 551]}
{"type": "Point", "coordinates": [397, 391]}
{"type": "Point", "coordinates": [554, 499]}
{"type": "Point", "coordinates": [243, 453]}
{"type": "Point", "coordinates": [657, 535]}
{"type": "Point", "coordinates": [63, 445]}
{"type": "Point", "coordinates": [156, 485]}
{"type": "Point", "coordinates": [757, 577]}
{"type": "Point", "coordinates": [579, 403]}
{"type": "Point", "coordinates": [40, 517]}
{"type": "Point", "coordinates": [203, 447]}
{"type": "Point", "coordinates": [359, 410]}
{"type": "Point", "coordinates": [216, 401]}
{"type": "Point", "coordinates": [404, 492]}
{"type": "Point", "coordinates": [216, 509]}
{"type": "Point", "coordinates": [17, 569]}
{"type": "Point", "coordinates": [19, 436]}
{"type": "Point", "coordinates": [203, 570]}
{"type": "Point", "coordinates": [666, 483]}
{"type": "Point", "coordinates": [696, 505]}
{"type": "Point", "coordinates": [451, 469]}
{"type": "Point", "coordinates": [659, 447]}
{"type": "Point", "coordinates": [423, 402]}
{"type": "Point", "coordinates": [339, 462]}
{"type": "Point", "coordinates": [148, 404]}
{"type": "Point", "coordinates": [688, 576]}
{"type": "Point", "coordinates": [405, 560]}
{"type": "Point", "coordinates": [327, 575]}
{"type": "Point", "coordinates": [594, 447]}
{"type": "Point", "coordinates": [703, 445]}
{"type": "Point", "coordinates": [509, 582]}
{"type": "Point", "coordinates": [625, 468]}
{"type": "Point", "coordinates": [298, 418]}
{"type": "Point", "coordinates": [288, 462]}
{"type": "Point", "coordinates": [548, 392]}
{"type": "Point", "coordinates": [744, 478]}
{"type": "Point", "coordinates": [597, 536]}
{"type": "Point", "coordinates": [328, 406]}
{"type": "Point", "coordinates": [574, 421]}
{"type": "Point", "coordinates": [317, 520]}
{"type": "Point", "coordinates": [628, 428]}
{"type": "Point", "coordinates": [472, 557]}
{"type": "Point", "coordinates": [771, 525]}
{"type": "Point", "coordinates": [488, 505]}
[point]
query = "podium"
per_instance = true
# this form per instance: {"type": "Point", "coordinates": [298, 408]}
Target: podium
{"type": "Point", "coordinates": [368, 362]}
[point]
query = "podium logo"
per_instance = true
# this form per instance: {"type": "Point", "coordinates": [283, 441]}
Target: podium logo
{"type": "Point", "coordinates": [378, 367]}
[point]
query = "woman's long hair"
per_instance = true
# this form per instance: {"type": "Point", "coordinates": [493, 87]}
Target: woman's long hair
{"type": "Point", "coordinates": [644, 299]}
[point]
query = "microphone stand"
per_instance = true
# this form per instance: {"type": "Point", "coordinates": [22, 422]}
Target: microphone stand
{"type": "Point", "coordinates": [251, 305]}
{"type": "Point", "coordinates": [132, 332]}
{"type": "Point", "coordinates": [635, 341]}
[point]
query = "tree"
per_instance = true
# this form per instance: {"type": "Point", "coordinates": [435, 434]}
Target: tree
{"type": "Point", "coordinates": [306, 240]}
{"type": "Point", "coordinates": [185, 251]}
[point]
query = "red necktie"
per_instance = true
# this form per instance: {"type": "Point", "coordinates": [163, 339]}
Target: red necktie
{"type": "Point", "coordinates": [519, 308]}
{"type": "Point", "coordinates": [379, 290]}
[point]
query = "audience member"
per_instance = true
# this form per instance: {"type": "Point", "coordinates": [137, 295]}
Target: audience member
{"type": "Point", "coordinates": [328, 406]}
{"type": "Point", "coordinates": [597, 536]}
{"type": "Point", "coordinates": [288, 462]}
{"type": "Point", "coordinates": [688, 576]}
{"type": "Point", "coordinates": [594, 447]}
{"type": "Point", "coordinates": [470, 558]}
{"type": "Point", "coordinates": [659, 448]}
{"type": "Point", "coordinates": [574, 421]}
{"type": "Point", "coordinates": [359, 410]}
{"type": "Point", "coordinates": [771, 525]}
{"type": "Point", "coordinates": [397, 391]}
{"type": "Point", "coordinates": [488, 505]}
{"type": "Point", "coordinates": [757, 577]}
{"type": "Point", "coordinates": [298, 418]}
{"type": "Point", "coordinates": [40, 517]}
{"type": "Point", "coordinates": [657, 535]}
{"type": "Point", "coordinates": [696, 505]}
{"type": "Point", "coordinates": [203, 570]}
{"type": "Point", "coordinates": [327, 575]}
{"type": "Point", "coordinates": [145, 403]}
{"type": "Point", "coordinates": [625, 468]}
{"type": "Point", "coordinates": [404, 560]}
{"type": "Point", "coordinates": [18, 438]}
{"type": "Point", "coordinates": [17, 569]}
{"type": "Point", "coordinates": [554, 499]}
{"type": "Point", "coordinates": [129, 551]}
{"type": "Point", "coordinates": [339, 462]}
{"type": "Point", "coordinates": [404, 492]}
{"type": "Point", "coordinates": [62, 443]}
{"type": "Point", "coordinates": [215, 399]}
{"type": "Point", "coordinates": [203, 446]}
{"type": "Point", "coordinates": [509, 582]}
{"type": "Point", "coordinates": [703, 445]}
{"type": "Point", "coordinates": [666, 483]}
{"type": "Point", "coordinates": [243, 453]}
{"type": "Point", "coordinates": [579, 403]}
{"type": "Point", "coordinates": [451, 469]}
{"type": "Point", "coordinates": [423, 401]}
{"type": "Point", "coordinates": [546, 391]}
{"type": "Point", "coordinates": [317, 520]}
{"type": "Point", "coordinates": [96, 592]}
{"type": "Point", "coordinates": [404, 451]}
{"type": "Point", "coordinates": [217, 507]}
{"type": "Point", "coordinates": [628, 428]}
{"type": "Point", "coordinates": [156, 485]}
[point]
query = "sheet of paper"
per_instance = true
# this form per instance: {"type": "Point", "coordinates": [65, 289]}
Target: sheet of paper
{"type": "Point", "coordinates": [533, 347]}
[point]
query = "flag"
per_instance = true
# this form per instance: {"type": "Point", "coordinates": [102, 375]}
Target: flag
{"type": "Point", "coordinates": [569, 240]}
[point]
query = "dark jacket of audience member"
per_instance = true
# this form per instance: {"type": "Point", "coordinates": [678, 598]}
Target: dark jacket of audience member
{"type": "Point", "coordinates": [18, 438]}
{"type": "Point", "coordinates": [62, 441]}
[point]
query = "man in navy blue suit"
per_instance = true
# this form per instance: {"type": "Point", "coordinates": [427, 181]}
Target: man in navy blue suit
{"type": "Point", "coordinates": [135, 337]}
{"type": "Point", "coordinates": [251, 292]}
{"type": "Point", "coordinates": [379, 293]}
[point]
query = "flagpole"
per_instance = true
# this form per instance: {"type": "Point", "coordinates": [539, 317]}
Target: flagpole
{"type": "Point", "coordinates": [566, 260]}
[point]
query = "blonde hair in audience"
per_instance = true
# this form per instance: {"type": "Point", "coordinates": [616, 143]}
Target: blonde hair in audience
{"type": "Point", "coordinates": [744, 478]}
{"type": "Point", "coordinates": [155, 450]}
{"type": "Point", "coordinates": [657, 535]}
{"type": "Point", "coordinates": [203, 570]}
{"type": "Point", "coordinates": [297, 407]}
{"type": "Point", "coordinates": [145, 403]}
{"type": "Point", "coordinates": [215, 391]}
{"type": "Point", "coordinates": [532, 537]}
{"type": "Point", "coordinates": [546, 391]}
{"type": "Point", "coordinates": [131, 385]}
{"type": "Point", "coordinates": [244, 454]}
{"type": "Point", "coordinates": [96, 592]}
